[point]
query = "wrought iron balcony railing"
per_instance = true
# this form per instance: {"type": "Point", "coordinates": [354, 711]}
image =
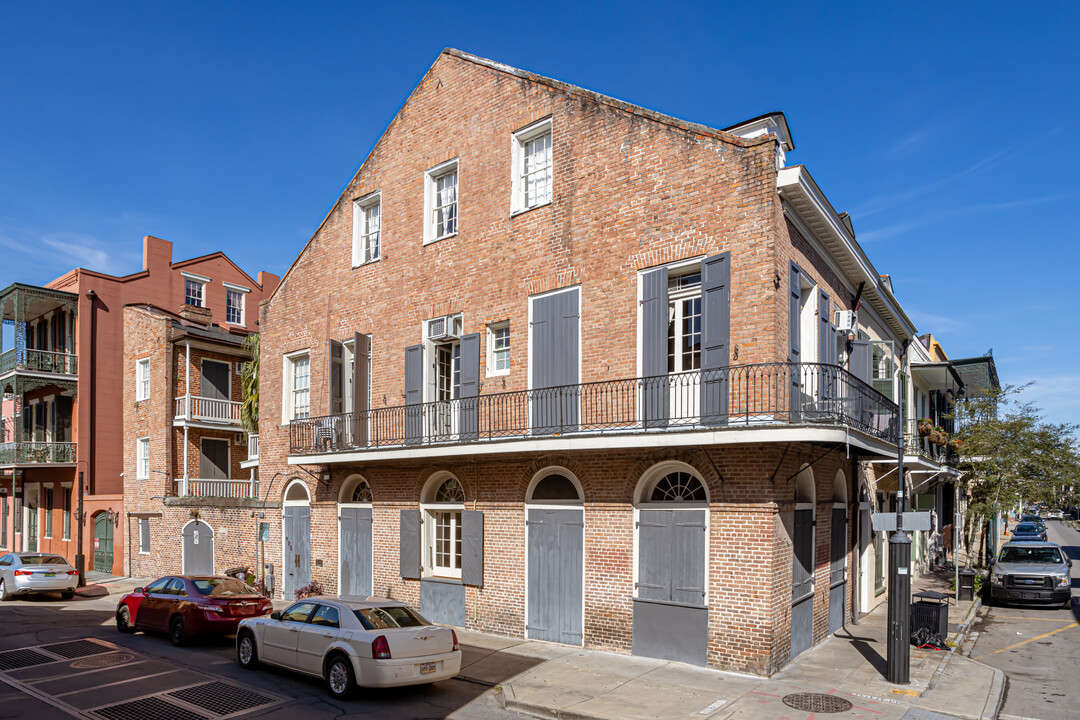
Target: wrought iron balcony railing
{"type": "Point", "coordinates": [915, 444]}
{"type": "Point", "coordinates": [738, 396]}
{"type": "Point", "coordinates": [44, 361]}
{"type": "Point", "coordinates": [26, 453]}
{"type": "Point", "coordinates": [216, 488]}
{"type": "Point", "coordinates": [211, 410]}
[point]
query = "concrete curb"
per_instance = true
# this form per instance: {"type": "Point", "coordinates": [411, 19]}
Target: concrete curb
{"type": "Point", "coordinates": [996, 697]}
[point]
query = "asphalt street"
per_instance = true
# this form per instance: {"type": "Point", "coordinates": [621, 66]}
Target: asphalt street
{"type": "Point", "coordinates": [73, 663]}
{"type": "Point", "coordinates": [1037, 647]}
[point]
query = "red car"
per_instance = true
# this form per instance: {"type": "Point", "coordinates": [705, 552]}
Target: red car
{"type": "Point", "coordinates": [188, 605]}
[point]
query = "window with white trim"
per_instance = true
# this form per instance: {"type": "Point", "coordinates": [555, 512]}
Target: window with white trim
{"type": "Point", "coordinates": [533, 166]}
{"type": "Point", "coordinates": [498, 348]}
{"type": "Point", "coordinates": [234, 306]}
{"type": "Point", "coordinates": [194, 292]}
{"type": "Point", "coordinates": [296, 383]}
{"type": "Point", "coordinates": [442, 542]}
{"type": "Point", "coordinates": [441, 202]}
{"type": "Point", "coordinates": [142, 379]}
{"type": "Point", "coordinates": [142, 458]}
{"type": "Point", "coordinates": [367, 224]}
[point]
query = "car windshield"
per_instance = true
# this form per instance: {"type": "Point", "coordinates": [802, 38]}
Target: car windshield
{"type": "Point", "coordinates": [380, 618]}
{"type": "Point", "coordinates": [223, 586]}
{"type": "Point", "coordinates": [1026, 528]}
{"type": "Point", "coordinates": [43, 560]}
{"type": "Point", "coordinates": [1031, 555]}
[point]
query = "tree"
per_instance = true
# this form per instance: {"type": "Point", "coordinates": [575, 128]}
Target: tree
{"type": "Point", "coordinates": [249, 383]}
{"type": "Point", "coordinates": [1009, 453]}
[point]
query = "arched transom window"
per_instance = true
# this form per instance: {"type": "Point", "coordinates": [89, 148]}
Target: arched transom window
{"type": "Point", "coordinates": [678, 486]}
{"type": "Point", "coordinates": [450, 491]}
{"type": "Point", "coordinates": [361, 493]}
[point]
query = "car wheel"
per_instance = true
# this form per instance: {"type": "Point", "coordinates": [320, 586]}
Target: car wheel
{"type": "Point", "coordinates": [67, 595]}
{"type": "Point", "coordinates": [123, 620]}
{"type": "Point", "coordinates": [339, 677]}
{"type": "Point", "coordinates": [177, 633]}
{"type": "Point", "coordinates": [4, 594]}
{"type": "Point", "coordinates": [246, 652]}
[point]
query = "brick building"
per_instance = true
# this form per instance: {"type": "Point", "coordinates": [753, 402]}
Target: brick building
{"type": "Point", "coordinates": [562, 367]}
{"type": "Point", "coordinates": [63, 376]}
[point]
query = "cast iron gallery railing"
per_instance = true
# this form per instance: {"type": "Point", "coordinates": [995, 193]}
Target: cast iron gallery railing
{"type": "Point", "coordinates": [19, 453]}
{"type": "Point", "coordinates": [38, 361]}
{"type": "Point", "coordinates": [738, 396]}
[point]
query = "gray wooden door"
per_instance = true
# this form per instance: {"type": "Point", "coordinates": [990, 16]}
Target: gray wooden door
{"type": "Point", "coordinates": [555, 560]}
{"type": "Point", "coordinates": [296, 527]}
{"type": "Point", "coordinates": [214, 459]}
{"type": "Point", "coordinates": [354, 538]}
{"type": "Point", "coordinates": [556, 395]}
{"type": "Point", "coordinates": [837, 569]}
{"type": "Point", "coordinates": [198, 540]}
{"type": "Point", "coordinates": [215, 380]}
{"type": "Point", "coordinates": [802, 584]}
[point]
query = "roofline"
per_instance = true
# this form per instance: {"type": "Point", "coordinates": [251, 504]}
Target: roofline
{"type": "Point", "coordinates": [779, 114]}
{"type": "Point", "coordinates": [36, 288]}
{"type": "Point", "coordinates": [139, 274]}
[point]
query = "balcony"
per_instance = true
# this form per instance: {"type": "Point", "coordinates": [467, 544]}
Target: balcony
{"type": "Point", "coordinates": [207, 411]}
{"type": "Point", "coordinates": [737, 397]}
{"type": "Point", "coordinates": [37, 453]}
{"type": "Point", "coordinates": [38, 361]}
{"type": "Point", "coordinates": [215, 488]}
{"type": "Point", "coordinates": [914, 444]}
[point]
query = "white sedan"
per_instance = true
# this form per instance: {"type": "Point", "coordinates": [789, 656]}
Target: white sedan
{"type": "Point", "coordinates": [371, 643]}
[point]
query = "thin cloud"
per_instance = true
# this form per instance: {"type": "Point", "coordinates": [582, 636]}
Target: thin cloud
{"type": "Point", "coordinates": [1057, 396]}
{"type": "Point", "coordinates": [915, 138]}
{"type": "Point", "coordinates": [52, 253]}
{"type": "Point", "coordinates": [889, 231]}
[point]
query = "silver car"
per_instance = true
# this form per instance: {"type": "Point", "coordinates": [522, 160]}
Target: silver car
{"type": "Point", "coordinates": [1028, 571]}
{"type": "Point", "coordinates": [25, 573]}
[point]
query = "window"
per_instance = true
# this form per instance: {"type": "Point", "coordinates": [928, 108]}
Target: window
{"type": "Point", "coordinates": [325, 616]}
{"type": "Point", "coordinates": [443, 541]}
{"type": "Point", "coordinates": [144, 535]}
{"type": "Point", "coordinates": [532, 161]}
{"type": "Point", "coordinates": [684, 321]}
{"type": "Point", "coordinates": [67, 513]}
{"type": "Point", "coordinates": [366, 226]}
{"type": "Point", "coordinates": [498, 359]}
{"type": "Point", "coordinates": [193, 291]}
{"type": "Point", "coordinates": [48, 512]}
{"type": "Point", "coordinates": [298, 612]}
{"type": "Point", "coordinates": [441, 201]}
{"type": "Point", "coordinates": [142, 379]}
{"type": "Point", "coordinates": [142, 458]}
{"type": "Point", "coordinates": [296, 404]}
{"type": "Point", "coordinates": [234, 303]}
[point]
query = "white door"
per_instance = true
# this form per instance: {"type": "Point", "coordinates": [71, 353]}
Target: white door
{"type": "Point", "coordinates": [684, 350]}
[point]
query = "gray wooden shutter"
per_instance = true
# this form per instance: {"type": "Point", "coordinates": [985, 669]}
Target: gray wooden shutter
{"type": "Point", "coordinates": [838, 546]}
{"type": "Point", "coordinates": [794, 341]}
{"type": "Point", "coordinates": [336, 373]}
{"type": "Point", "coordinates": [655, 530]}
{"type": "Point", "coordinates": [555, 356]}
{"type": "Point", "coordinates": [860, 360]}
{"type": "Point", "coordinates": [472, 547]}
{"type": "Point", "coordinates": [802, 570]}
{"type": "Point", "coordinates": [468, 420]}
{"type": "Point", "coordinates": [144, 535]}
{"type": "Point", "coordinates": [566, 343]}
{"type": "Point", "coordinates": [654, 331]}
{"type": "Point", "coordinates": [214, 459]}
{"type": "Point", "coordinates": [860, 365]}
{"type": "Point", "coordinates": [414, 393]}
{"type": "Point", "coordinates": [361, 381]}
{"type": "Point", "coordinates": [715, 337]}
{"type": "Point", "coordinates": [688, 557]}
{"type": "Point", "coordinates": [826, 338]}
{"type": "Point", "coordinates": [409, 544]}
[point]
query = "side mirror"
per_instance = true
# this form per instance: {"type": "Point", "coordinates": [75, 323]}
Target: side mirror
{"type": "Point", "coordinates": [137, 591]}
{"type": "Point", "coordinates": [275, 616]}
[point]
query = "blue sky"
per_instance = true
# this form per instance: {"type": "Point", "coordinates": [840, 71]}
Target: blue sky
{"type": "Point", "coordinates": [944, 128]}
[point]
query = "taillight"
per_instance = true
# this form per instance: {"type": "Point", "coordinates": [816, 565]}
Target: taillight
{"type": "Point", "coordinates": [454, 635]}
{"type": "Point", "coordinates": [22, 572]}
{"type": "Point", "coordinates": [380, 649]}
{"type": "Point", "coordinates": [72, 572]}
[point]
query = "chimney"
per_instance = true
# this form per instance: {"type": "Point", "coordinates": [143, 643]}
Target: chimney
{"type": "Point", "coordinates": [156, 252]}
{"type": "Point", "coordinates": [197, 315]}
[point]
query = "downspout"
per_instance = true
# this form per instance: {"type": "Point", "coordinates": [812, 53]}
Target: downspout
{"type": "Point", "coordinates": [187, 406]}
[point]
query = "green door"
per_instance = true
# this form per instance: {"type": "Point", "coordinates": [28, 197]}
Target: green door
{"type": "Point", "coordinates": [31, 528]}
{"type": "Point", "coordinates": [103, 537]}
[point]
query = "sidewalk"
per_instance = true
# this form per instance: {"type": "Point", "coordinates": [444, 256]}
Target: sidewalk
{"type": "Point", "coordinates": [552, 681]}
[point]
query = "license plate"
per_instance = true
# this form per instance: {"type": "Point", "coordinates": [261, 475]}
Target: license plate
{"type": "Point", "coordinates": [50, 574]}
{"type": "Point", "coordinates": [427, 668]}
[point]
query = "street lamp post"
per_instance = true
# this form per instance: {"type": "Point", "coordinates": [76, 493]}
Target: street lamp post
{"type": "Point", "coordinates": [898, 650]}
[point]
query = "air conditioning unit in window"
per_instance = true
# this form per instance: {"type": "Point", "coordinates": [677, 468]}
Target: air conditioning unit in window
{"type": "Point", "coordinates": [444, 328]}
{"type": "Point", "coordinates": [241, 438]}
{"type": "Point", "coordinates": [846, 321]}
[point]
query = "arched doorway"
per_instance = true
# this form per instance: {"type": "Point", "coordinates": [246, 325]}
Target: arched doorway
{"type": "Point", "coordinates": [555, 559]}
{"type": "Point", "coordinates": [671, 612]}
{"type": "Point", "coordinates": [802, 565]}
{"type": "Point", "coordinates": [197, 548]}
{"type": "Point", "coordinates": [355, 538]}
{"type": "Point", "coordinates": [295, 538]}
{"type": "Point", "coordinates": [838, 554]}
{"type": "Point", "coordinates": [103, 542]}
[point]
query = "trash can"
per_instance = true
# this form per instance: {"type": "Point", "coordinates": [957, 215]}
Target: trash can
{"type": "Point", "coordinates": [931, 612]}
{"type": "Point", "coordinates": [967, 584]}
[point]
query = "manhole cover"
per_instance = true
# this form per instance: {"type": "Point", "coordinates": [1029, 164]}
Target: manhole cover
{"type": "Point", "coordinates": [102, 661]}
{"type": "Point", "coordinates": [78, 648]}
{"type": "Point", "coordinates": [220, 698]}
{"type": "Point", "coordinates": [151, 707]}
{"type": "Point", "coordinates": [14, 659]}
{"type": "Point", "coordinates": [817, 703]}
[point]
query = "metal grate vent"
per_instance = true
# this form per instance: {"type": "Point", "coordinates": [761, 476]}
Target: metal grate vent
{"type": "Point", "coordinates": [78, 648]}
{"type": "Point", "coordinates": [150, 707]}
{"type": "Point", "coordinates": [221, 698]}
{"type": "Point", "coordinates": [102, 661]}
{"type": "Point", "coordinates": [147, 707]}
{"type": "Point", "coordinates": [15, 659]}
{"type": "Point", "coordinates": [817, 703]}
